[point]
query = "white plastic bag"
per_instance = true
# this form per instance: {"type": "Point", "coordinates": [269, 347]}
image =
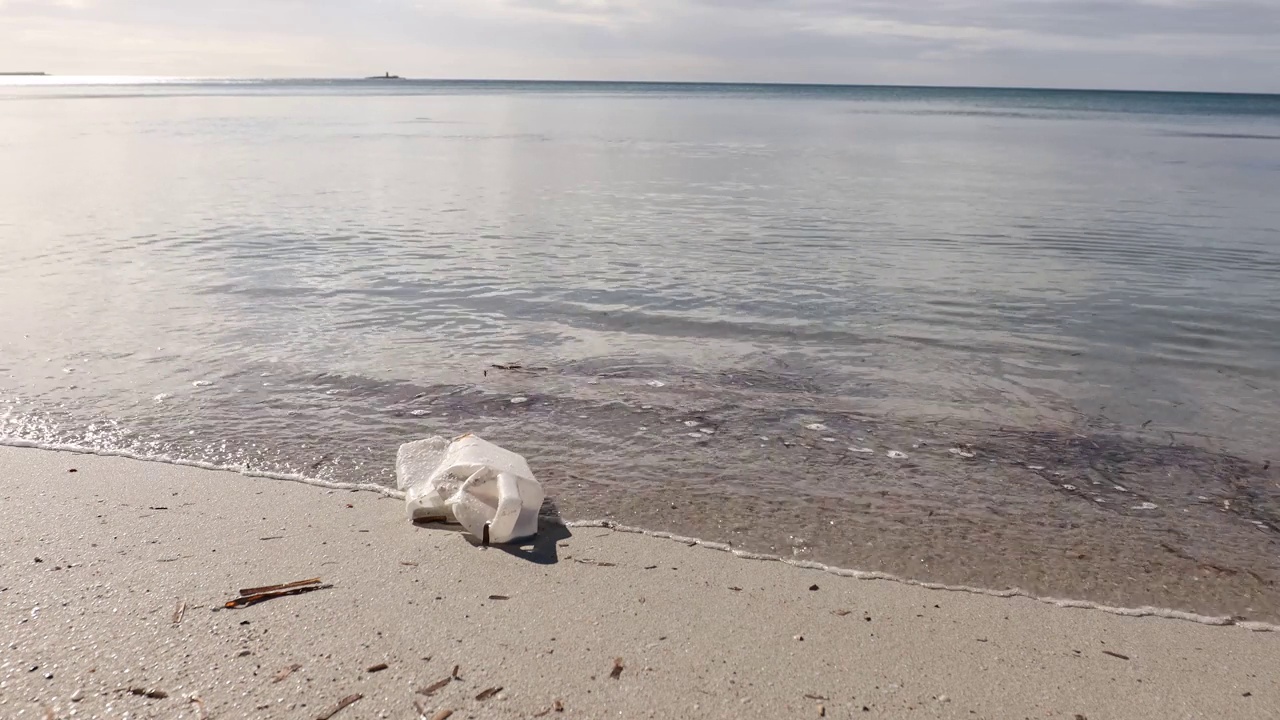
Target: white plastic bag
{"type": "Point", "coordinates": [488, 489]}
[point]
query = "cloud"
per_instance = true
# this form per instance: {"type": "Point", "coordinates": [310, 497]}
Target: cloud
{"type": "Point", "coordinates": [1173, 44]}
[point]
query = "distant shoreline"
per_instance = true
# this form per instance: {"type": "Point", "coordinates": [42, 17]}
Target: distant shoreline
{"type": "Point", "coordinates": [24, 74]}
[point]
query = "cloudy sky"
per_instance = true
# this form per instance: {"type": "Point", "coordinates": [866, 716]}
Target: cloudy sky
{"type": "Point", "coordinates": [1156, 44]}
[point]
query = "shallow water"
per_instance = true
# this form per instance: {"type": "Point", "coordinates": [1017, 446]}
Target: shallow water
{"type": "Point", "coordinates": [1078, 289]}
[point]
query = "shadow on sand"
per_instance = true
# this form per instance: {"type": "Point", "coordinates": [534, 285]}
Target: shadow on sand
{"type": "Point", "coordinates": [541, 549]}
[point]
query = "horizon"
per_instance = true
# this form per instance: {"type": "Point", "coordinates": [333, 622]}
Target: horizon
{"type": "Point", "coordinates": [107, 79]}
{"type": "Point", "coordinates": [1221, 46]}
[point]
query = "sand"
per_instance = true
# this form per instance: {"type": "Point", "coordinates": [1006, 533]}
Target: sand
{"type": "Point", "coordinates": [94, 565]}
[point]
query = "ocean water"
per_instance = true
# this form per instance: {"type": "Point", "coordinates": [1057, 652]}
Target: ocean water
{"type": "Point", "coordinates": [717, 308]}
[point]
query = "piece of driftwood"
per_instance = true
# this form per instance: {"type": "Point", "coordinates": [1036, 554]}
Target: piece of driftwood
{"type": "Point", "coordinates": [252, 596]}
{"type": "Point", "coordinates": [277, 588]}
{"type": "Point", "coordinates": [434, 687]}
{"type": "Point", "coordinates": [342, 705]}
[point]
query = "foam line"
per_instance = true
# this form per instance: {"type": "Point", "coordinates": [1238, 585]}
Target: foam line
{"type": "Point", "coordinates": [238, 469]}
{"type": "Point", "coordinates": [1145, 611]}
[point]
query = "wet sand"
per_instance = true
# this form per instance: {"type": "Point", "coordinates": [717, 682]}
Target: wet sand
{"type": "Point", "coordinates": [1077, 507]}
{"type": "Point", "coordinates": [113, 580]}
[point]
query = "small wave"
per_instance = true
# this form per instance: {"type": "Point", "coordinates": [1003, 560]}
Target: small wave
{"type": "Point", "coordinates": [1146, 611]}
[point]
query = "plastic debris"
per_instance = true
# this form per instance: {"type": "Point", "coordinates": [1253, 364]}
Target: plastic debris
{"type": "Point", "coordinates": [1145, 506]}
{"type": "Point", "coordinates": [862, 451]}
{"type": "Point", "coordinates": [489, 490]}
{"type": "Point", "coordinates": [691, 423]}
{"type": "Point", "coordinates": [656, 383]}
{"type": "Point", "coordinates": [966, 454]}
{"type": "Point", "coordinates": [202, 383]}
{"type": "Point", "coordinates": [816, 427]}
{"type": "Point", "coordinates": [896, 455]}
{"type": "Point", "coordinates": [519, 400]}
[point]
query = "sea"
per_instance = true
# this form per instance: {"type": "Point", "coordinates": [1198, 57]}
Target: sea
{"type": "Point", "coordinates": [993, 338]}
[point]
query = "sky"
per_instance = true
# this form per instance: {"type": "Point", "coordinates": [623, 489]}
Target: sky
{"type": "Point", "coordinates": [1227, 45]}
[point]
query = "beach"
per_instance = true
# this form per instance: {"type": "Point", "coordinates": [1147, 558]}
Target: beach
{"type": "Point", "coordinates": [114, 574]}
